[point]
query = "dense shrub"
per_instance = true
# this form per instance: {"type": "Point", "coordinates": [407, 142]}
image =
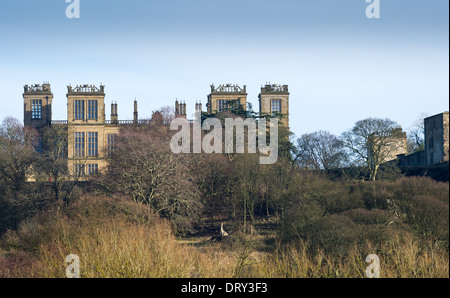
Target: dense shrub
{"type": "Point", "coordinates": [427, 215]}
{"type": "Point", "coordinates": [334, 234]}
{"type": "Point", "coordinates": [345, 213]}
{"type": "Point", "coordinates": [369, 217]}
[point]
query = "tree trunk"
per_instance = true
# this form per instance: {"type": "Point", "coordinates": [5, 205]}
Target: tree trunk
{"type": "Point", "coordinates": [245, 215]}
{"type": "Point", "coordinates": [267, 200]}
{"type": "Point", "coordinates": [374, 173]}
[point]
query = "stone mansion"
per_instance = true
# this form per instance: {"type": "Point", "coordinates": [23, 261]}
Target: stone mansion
{"type": "Point", "coordinates": [91, 136]}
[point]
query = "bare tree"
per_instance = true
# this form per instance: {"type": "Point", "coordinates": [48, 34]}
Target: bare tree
{"type": "Point", "coordinates": [247, 187]}
{"type": "Point", "coordinates": [372, 142]}
{"type": "Point", "coordinates": [17, 152]}
{"type": "Point", "coordinates": [144, 167]}
{"type": "Point", "coordinates": [211, 173]}
{"type": "Point", "coordinates": [52, 164]}
{"type": "Point", "coordinates": [167, 113]}
{"type": "Point", "coordinates": [320, 150]}
{"type": "Point", "coordinates": [416, 135]}
{"type": "Point", "coordinates": [18, 146]}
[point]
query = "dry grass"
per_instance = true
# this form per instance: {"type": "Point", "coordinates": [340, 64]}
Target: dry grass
{"type": "Point", "coordinates": [117, 239]}
{"type": "Point", "coordinates": [400, 258]}
{"type": "Point", "coordinates": [123, 250]}
{"type": "Point", "coordinates": [113, 239]}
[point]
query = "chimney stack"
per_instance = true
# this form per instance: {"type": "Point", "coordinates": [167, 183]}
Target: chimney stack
{"type": "Point", "coordinates": [198, 111]}
{"type": "Point", "coordinates": [177, 108]}
{"type": "Point", "coordinates": [114, 114]}
{"type": "Point", "coordinates": [180, 109]}
{"type": "Point", "coordinates": [135, 114]}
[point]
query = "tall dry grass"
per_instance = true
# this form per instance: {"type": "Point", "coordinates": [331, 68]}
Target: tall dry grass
{"type": "Point", "coordinates": [400, 258]}
{"type": "Point", "coordinates": [114, 238]}
{"type": "Point", "coordinates": [118, 239]}
{"type": "Point", "coordinates": [124, 250]}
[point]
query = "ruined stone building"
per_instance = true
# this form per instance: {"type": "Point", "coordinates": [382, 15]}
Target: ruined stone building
{"type": "Point", "coordinates": [436, 151]}
{"type": "Point", "coordinates": [436, 139]}
{"type": "Point", "coordinates": [91, 137]}
{"type": "Point", "coordinates": [391, 146]}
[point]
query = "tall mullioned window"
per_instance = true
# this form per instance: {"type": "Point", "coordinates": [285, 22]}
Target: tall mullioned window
{"type": "Point", "coordinates": [93, 169]}
{"type": "Point", "coordinates": [111, 144]}
{"type": "Point", "coordinates": [223, 105]}
{"type": "Point", "coordinates": [78, 110]}
{"type": "Point", "coordinates": [92, 144]}
{"type": "Point", "coordinates": [36, 109]}
{"type": "Point", "coordinates": [79, 144]}
{"type": "Point", "coordinates": [275, 106]}
{"type": "Point", "coordinates": [92, 110]}
{"type": "Point", "coordinates": [37, 144]}
{"type": "Point", "coordinates": [79, 170]}
{"type": "Point", "coordinates": [227, 104]}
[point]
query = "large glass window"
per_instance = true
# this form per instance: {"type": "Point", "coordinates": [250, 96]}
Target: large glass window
{"type": "Point", "coordinates": [93, 169]}
{"type": "Point", "coordinates": [79, 144]}
{"type": "Point", "coordinates": [275, 106]}
{"type": "Point", "coordinates": [111, 144]}
{"type": "Point", "coordinates": [36, 109]}
{"type": "Point", "coordinates": [92, 110]}
{"type": "Point", "coordinates": [223, 105]}
{"type": "Point", "coordinates": [92, 143]}
{"type": "Point", "coordinates": [79, 170]}
{"type": "Point", "coordinates": [79, 110]}
{"type": "Point", "coordinates": [37, 143]}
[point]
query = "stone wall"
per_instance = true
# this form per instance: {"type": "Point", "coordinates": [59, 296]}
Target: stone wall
{"type": "Point", "coordinates": [415, 159]}
{"type": "Point", "coordinates": [437, 139]}
{"type": "Point", "coordinates": [446, 137]}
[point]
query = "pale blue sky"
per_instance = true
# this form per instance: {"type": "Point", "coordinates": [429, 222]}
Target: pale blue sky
{"type": "Point", "coordinates": [340, 66]}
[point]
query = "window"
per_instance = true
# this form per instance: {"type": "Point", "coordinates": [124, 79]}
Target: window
{"type": "Point", "coordinates": [36, 109]}
{"type": "Point", "coordinates": [430, 143]}
{"type": "Point", "coordinates": [92, 143]}
{"type": "Point", "coordinates": [111, 144]}
{"type": "Point", "coordinates": [79, 144]}
{"type": "Point", "coordinates": [79, 170]}
{"type": "Point", "coordinates": [79, 110]}
{"type": "Point", "coordinates": [235, 104]}
{"type": "Point", "coordinates": [223, 105]}
{"type": "Point", "coordinates": [37, 144]}
{"type": "Point", "coordinates": [275, 106]}
{"type": "Point", "coordinates": [92, 110]}
{"type": "Point", "coordinates": [93, 169]}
